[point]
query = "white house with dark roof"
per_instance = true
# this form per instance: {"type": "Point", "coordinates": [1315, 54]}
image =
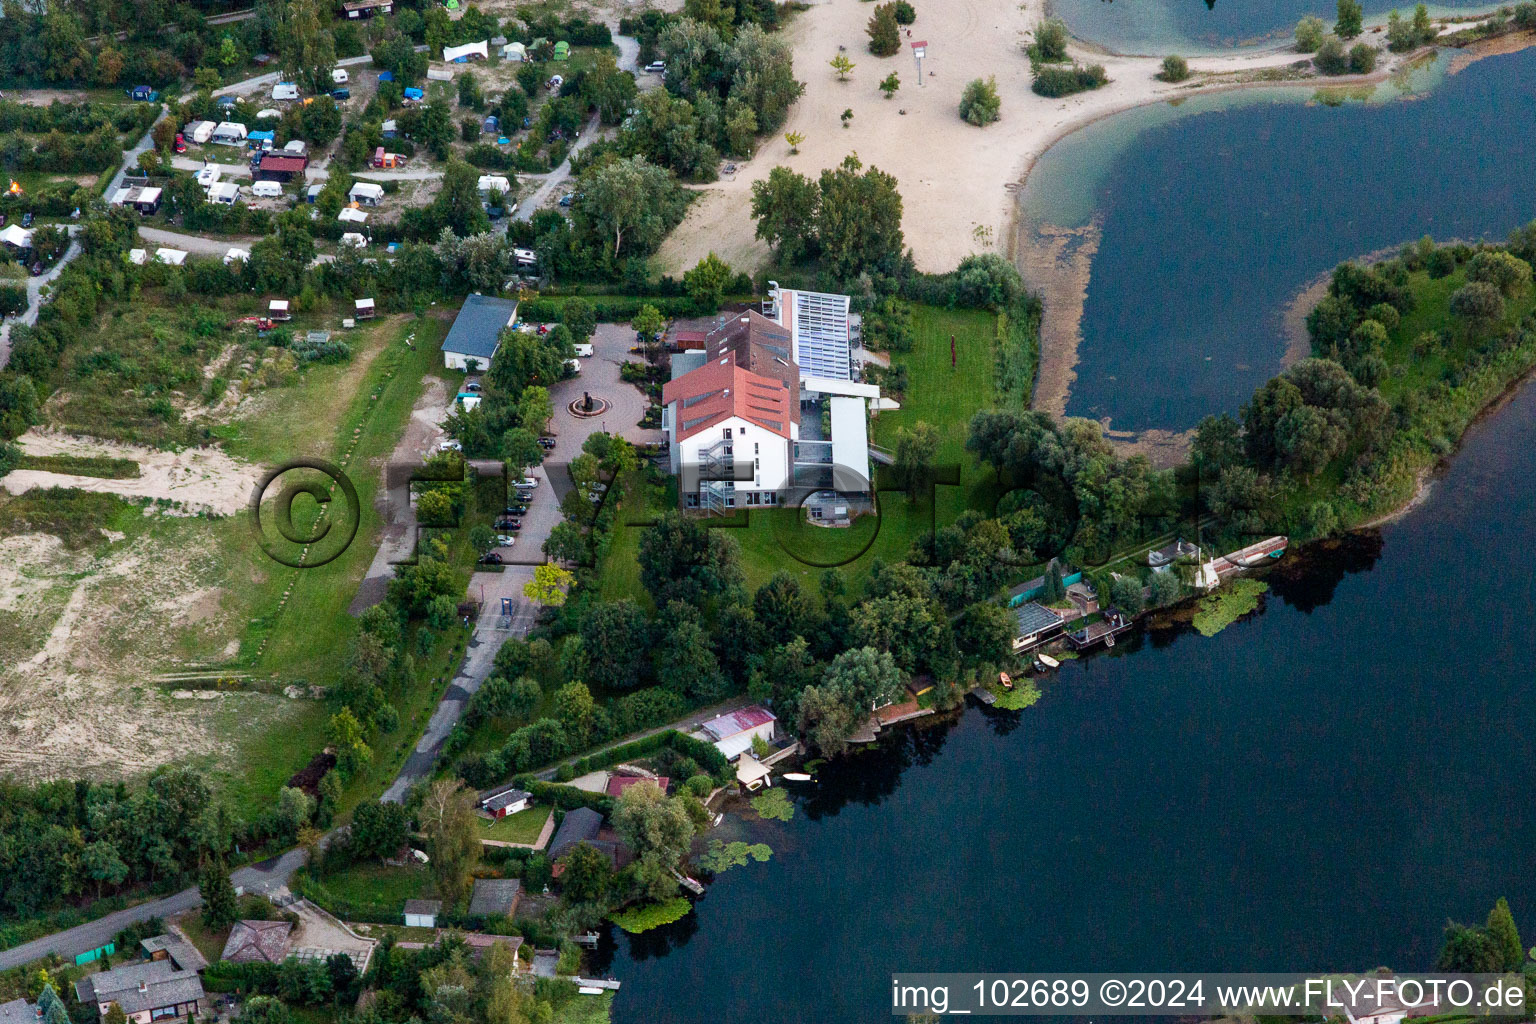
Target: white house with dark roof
{"type": "Point", "coordinates": [476, 331]}
{"type": "Point", "coordinates": [146, 992]}
{"type": "Point", "coordinates": [508, 801]}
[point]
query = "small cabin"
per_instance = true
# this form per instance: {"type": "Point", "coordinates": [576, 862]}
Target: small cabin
{"type": "Point", "coordinates": [364, 309]}
{"type": "Point", "coordinates": [422, 913]}
{"type": "Point", "coordinates": [277, 309]}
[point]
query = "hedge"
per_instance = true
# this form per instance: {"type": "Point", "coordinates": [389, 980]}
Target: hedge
{"type": "Point", "coordinates": [564, 797]}
{"type": "Point", "coordinates": [613, 310]}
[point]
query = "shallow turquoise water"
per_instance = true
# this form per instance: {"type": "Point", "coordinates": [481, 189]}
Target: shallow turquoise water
{"type": "Point", "coordinates": [1214, 214]}
{"type": "Point", "coordinates": [1199, 26]}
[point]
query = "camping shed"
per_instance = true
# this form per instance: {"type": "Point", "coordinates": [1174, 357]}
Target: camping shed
{"type": "Point", "coordinates": [277, 309]}
{"type": "Point", "coordinates": [422, 913]}
{"type": "Point", "coordinates": [365, 309]}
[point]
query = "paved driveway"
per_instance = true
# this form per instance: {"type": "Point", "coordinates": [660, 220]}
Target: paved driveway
{"type": "Point", "coordinates": [600, 375]}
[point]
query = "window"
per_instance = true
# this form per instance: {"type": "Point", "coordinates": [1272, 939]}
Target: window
{"type": "Point", "coordinates": [756, 447]}
{"type": "Point", "coordinates": [727, 433]}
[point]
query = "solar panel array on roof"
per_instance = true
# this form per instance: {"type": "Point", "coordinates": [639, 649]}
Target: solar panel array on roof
{"type": "Point", "coordinates": [821, 334]}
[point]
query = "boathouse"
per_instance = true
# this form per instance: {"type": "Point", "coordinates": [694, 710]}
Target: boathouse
{"type": "Point", "coordinates": [1034, 624]}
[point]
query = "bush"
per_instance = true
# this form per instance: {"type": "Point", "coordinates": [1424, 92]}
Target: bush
{"type": "Point", "coordinates": [1055, 82]}
{"type": "Point", "coordinates": [1050, 41]}
{"type": "Point", "coordinates": [905, 15]}
{"type": "Point", "coordinates": [1362, 59]}
{"type": "Point", "coordinates": [1175, 69]}
{"type": "Point", "coordinates": [1330, 58]}
{"type": "Point", "coordinates": [1309, 34]}
{"type": "Point", "coordinates": [979, 103]}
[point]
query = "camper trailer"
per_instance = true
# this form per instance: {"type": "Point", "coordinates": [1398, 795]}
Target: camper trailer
{"type": "Point", "coordinates": [266, 189]}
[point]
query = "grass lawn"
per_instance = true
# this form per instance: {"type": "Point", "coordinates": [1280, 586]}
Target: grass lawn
{"type": "Point", "coordinates": [522, 827]}
{"type": "Point", "coordinates": [585, 1010]}
{"type": "Point", "coordinates": [380, 884]}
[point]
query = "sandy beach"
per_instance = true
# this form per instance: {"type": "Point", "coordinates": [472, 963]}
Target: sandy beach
{"type": "Point", "coordinates": [955, 178]}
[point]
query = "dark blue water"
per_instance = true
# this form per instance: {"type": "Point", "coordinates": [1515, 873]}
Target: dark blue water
{"type": "Point", "coordinates": [1213, 222]}
{"type": "Point", "coordinates": [1195, 26]}
{"type": "Point", "coordinates": [1317, 787]}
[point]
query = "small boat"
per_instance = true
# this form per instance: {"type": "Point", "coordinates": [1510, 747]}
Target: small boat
{"type": "Point", "coordinates": [1047, 661]}
{"type": "Point", "coordinates": [797, 777]}
{"type": "Point", "coordinates": [1006, 680]}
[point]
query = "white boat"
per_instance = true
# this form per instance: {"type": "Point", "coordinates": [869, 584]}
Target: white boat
{"type": "Point", "coordinates": [1047, 661]}
{"type": "Point", "coordinates": [797, 777]}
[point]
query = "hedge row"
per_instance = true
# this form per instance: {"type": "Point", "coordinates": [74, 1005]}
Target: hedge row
{"type": "Point", "coordinates": [614, 310]}
{"type": "Point", "coordinates": [566, 798]}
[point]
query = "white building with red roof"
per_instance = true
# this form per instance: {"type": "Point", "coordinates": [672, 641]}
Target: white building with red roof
{"type": "Point", "coordinates": [732, 733]}
{"type": "Point", "coordinates": [730, 435]}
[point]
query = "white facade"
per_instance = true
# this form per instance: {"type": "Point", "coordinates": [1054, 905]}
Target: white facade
{"type": "Point", "coordinates": [731, 442]}
{"type": "Point", "coordinates": [421, 920]}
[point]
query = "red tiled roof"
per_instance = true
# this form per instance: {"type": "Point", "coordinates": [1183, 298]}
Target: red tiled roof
{"type": "Point", "coordinates": [274, 162]}
{"type": "Point", "coordinates": [619, 783]}
{"type": "Point", "coordinates": [721, 389]}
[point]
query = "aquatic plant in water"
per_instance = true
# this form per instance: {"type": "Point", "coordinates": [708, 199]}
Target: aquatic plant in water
{"type": "Point", "coordinates": [724, 856]}
{"type": "Point", "coordinates": [774, 804]}
{"type": "Point", "coordinates": [1219, 610]}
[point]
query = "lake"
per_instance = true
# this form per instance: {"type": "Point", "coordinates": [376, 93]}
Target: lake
{"type": "Point", "coordinates": [1204, 26]}
{"type": "Point", "coordinates": [1209, 217]}
{"type": "Point", "coordinates": [1317, 787]}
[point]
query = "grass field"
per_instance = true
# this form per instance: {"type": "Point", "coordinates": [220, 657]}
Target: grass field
{"type": "Point", "coordinates": [585, 1010]}
{"type": "Point", "coordinates": [380, 884]}
{"type": "Point", "coordinates": [522, 827]}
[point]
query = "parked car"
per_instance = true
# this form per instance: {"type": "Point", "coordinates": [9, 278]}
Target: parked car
{"type": "Point", "coordinates": [449, 446]}
{"type": "Point", "coordinates": [490, 558]}
{"type": "Point", "coordinates": [505, 540]}
{"type": "Point", "coordinates": [568, 199]}
{"type": "Point", "coordinates": [37, 270]}
{"type": "Point", "coordinates": [471, 385]}
{"type": "Point", "coordinates": [547, 443]}
{"type": "Point", "coordinates": [181, 143]}
{"type": "Point", "coordinates": [509, 525]}
{"type": "Point", "coordinates": [656, 67]}
{"type": "Point", "coordinates": [341, 94]}
{"type": "Point", "coordinates": [528, 483]}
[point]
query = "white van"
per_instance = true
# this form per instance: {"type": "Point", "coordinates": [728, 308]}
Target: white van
{"type": "Point", "coordinates": [266, 189]}
{"type": "Point", "coordinates": [584, 351]}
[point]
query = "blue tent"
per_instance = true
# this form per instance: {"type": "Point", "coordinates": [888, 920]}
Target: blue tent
{"type": "Point", "coordinates": [255, 137]}
{"type": "Point", "coordinates": [386, 76]}
{"type": "Point", "coordinates": [414, 94]}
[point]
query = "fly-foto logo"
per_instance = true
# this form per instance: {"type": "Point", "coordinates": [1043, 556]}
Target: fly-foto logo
{"type": "Point", "coordinates": [305, 513]}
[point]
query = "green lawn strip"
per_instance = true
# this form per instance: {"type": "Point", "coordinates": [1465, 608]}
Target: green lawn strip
{"type": "Point", "coordinates": [522, 827]}
{"type": "Point", "coordinates": [82, 465]}
{"type": "Point", "coordinates": [368, 892]}
{"type": "Point", "coordinates": [652, 915]}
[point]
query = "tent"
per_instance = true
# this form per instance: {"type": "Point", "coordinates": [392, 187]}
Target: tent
{"type": "Point", "coordinates": [467, 52]}
{"type": "Point", "coordinates": [175, 257]}
{"type": "Point", "coordinates": [237, 254]}
{"type": "Point", "coordinates": [562, 50]}
{"type": "Point", "coordinates": [350, 216]}
{"type": "Point", "coordinates": [494, 183]}
{"type": "Point", "coordinates": [514, 51]}
{"type": "Point", "coordinates": [16, 237]}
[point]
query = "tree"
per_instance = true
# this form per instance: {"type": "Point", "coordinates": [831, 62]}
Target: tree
{"type": "Point", "coordinates": [782, 608]}
{"type": "Point", "coordinates": [612, 632]}
{"type": "Point", "coordinates": [843, 66]}
{"type": "Point", "coordinates": [630, 197]}
{"type": "Point", "coordinates": [785, 207]}
{"type": "Point", "coordinates": [265, 1010]}
{"type": "Point", "coordinates": [979, 103]}
{"type": "Point", "coordinates": [649, 322]}
{"type": "Point", "coordinates": [859, 223]}
{"type": "Point", "coordinates": [889, 84]}
{"type": "Point", "coordinates": [1479, 303]}
{"type": "Point", "coordinates": [1469, 950]}
{"type": "Point", "coordinates": [854, 684]}
{"type": "Point", "coordinates": [1125, 594]}
{"type": "Point", "coordinates": [534, 408]}
{"type": "Point", "coordinates": [520, 449]}
{"type": "Point", "coordinates": [379, 829]}
{"type": "Point", "coordinates": [447, 819]}
{"type": "Point", "coordinates": [114, 1014]}
{"type": "Point", "coordinates": [549, 585]}
{"type": "Point", "coordinates": [1330, 57]}
{"type": "Point", "coordinates": [220, 907]}
{"type": "Point", "coordinates": [1506, 272]}
{"type": "Point", "coordinates": [587, 876]}
{"type": "Point", "coordinates": [1165, 589]}
{"type": "Point", "coordinates": [50, 1007]}
{"type": "Point", "coordinates": [681, 560]}
{"type": "Point", "coordinates": [1309, 34]}
{"type": "Point", "coordinates": [1362, 58]}
{"type": "Point", "coordinates": [457, 205]}
{"type": "Point", "coordinates": [1351, 17]}
{"type": "Point", "coordinates": [100, 862]}
{"type": "Point", "coordinates": [1421, 26]}
{"type": "Point", "coordinates": [1175, 69]}
{"type": "Point", "coordinates": [846, 116]}
{"type": "Point", "coordinates": [794, 139]}
{"type": "Point", "coordinates": [345, 734]}
{"type": "Point", "coordinates": [915, 449]}
{"type": "Point", "coordinates": [984, 633]}
{"type": "Point", "coordinates": [1506, 937]}
{"type": "Point", "coordinates": [574, 707]}
{"type": "Point", "coordinates": [580, 317]}
{"type": "Point", "coordinates": [659, 831]}
{"type": "Point", "coordinates": [1055, 591]}
{"type": "Point", "coordinates": [707, 281]}
{"type": "Point", "coordinates": [884, 33]}
{"type": "Point", "coordinates": [686, 663]}
{"type": "Point", "coordinates": [305, 46]}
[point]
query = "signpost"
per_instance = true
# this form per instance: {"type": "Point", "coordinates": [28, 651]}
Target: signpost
{"type": "Point", "coordinates": [919, 51]}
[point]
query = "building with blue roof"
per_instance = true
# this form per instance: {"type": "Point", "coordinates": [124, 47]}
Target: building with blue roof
{"type": "Point", "coordinates": [476, 331]}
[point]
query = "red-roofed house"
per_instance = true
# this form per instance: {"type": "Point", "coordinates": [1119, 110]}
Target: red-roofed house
{"type": "Point", "coordinates": [730, 433]}
{"type": "Point", "coordinates": [732, 733]}
{"type": "Point", "coordinates": [619, 783]}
